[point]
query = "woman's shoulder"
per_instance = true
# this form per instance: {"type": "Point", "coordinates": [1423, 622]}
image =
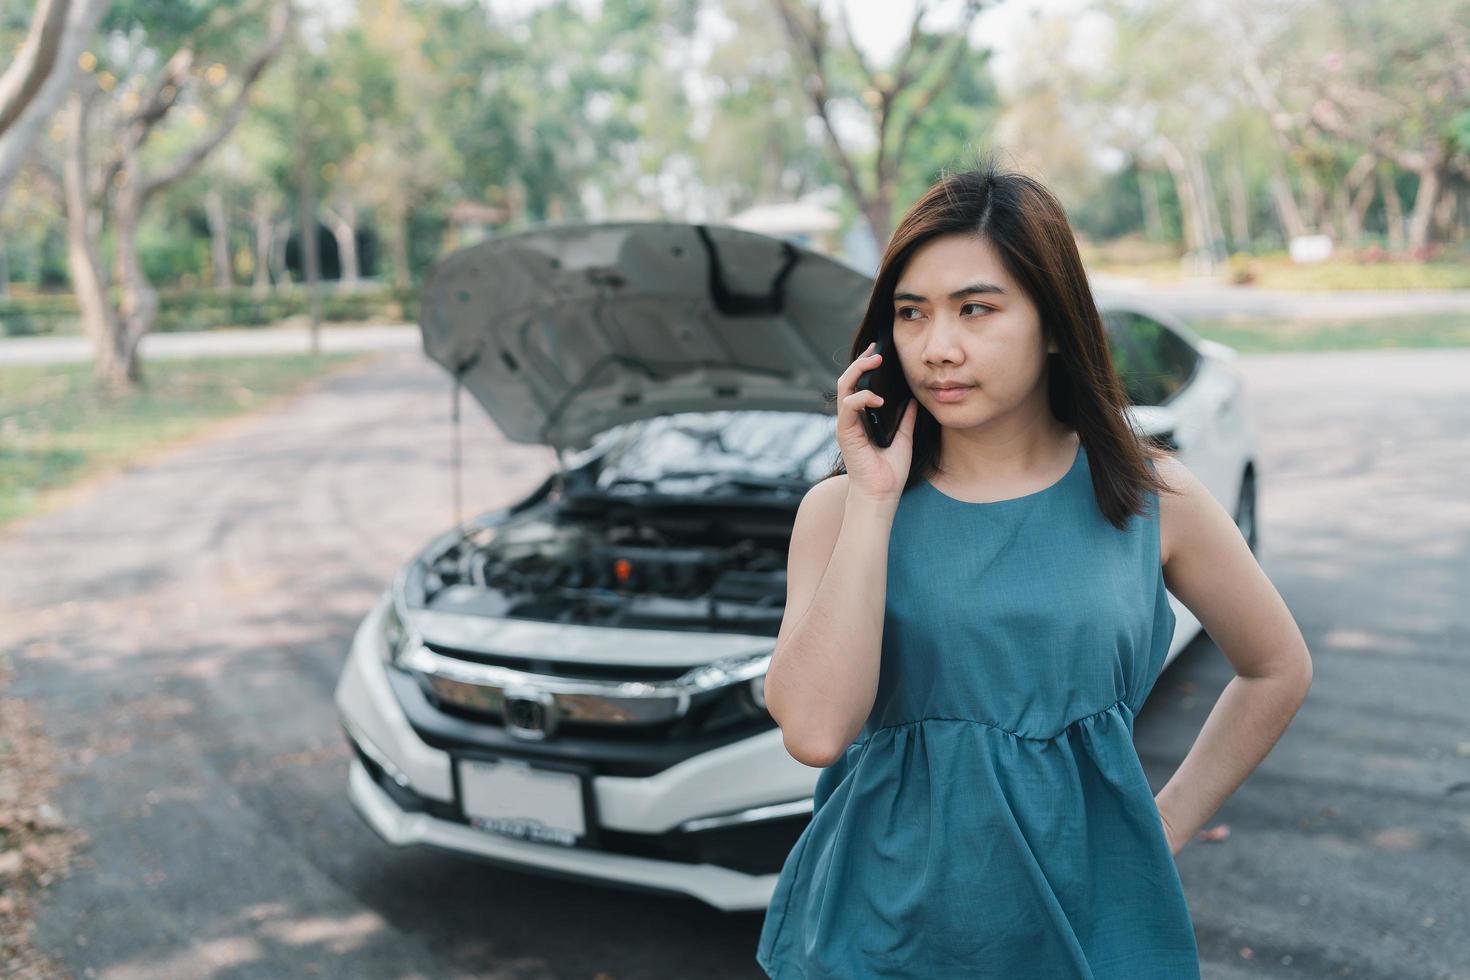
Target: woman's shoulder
{"type": "Point", "coordinates": [1180, 502]}
{"type": "Point", "coordinates": [828, 496]}
{"type": "Point", "coordinates": [1178, 479]}
{"type": "Point", "coordinates": [829, 485]}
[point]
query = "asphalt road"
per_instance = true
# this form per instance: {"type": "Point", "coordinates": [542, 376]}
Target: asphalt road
{"type": "Point", "coordinates": [179, 628]}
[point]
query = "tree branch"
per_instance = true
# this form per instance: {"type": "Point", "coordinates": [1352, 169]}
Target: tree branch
{"type": "Point", "coordinates": [162, 96]}
{"type": "Point", "coordinates": [175, 74]}
{"type": "Point", "coordinates": [852, 46]}
{"type": "Point", "coordinates": [17, 141]}
{"type": "Point", "coordinates": [35, 60]}
{"type": "Point", "coordinates": [888, 94]}
{"type": "Point", "coordinates": [812, 42]}
{"type": "Point", "coordinates": [280, 22]}
{"type": "Point", "coordinates": [1328, 117]}
{"type": "Point", "coordinates": [931, 80]}
{"type": "Point", "coordinates": [902, 77]}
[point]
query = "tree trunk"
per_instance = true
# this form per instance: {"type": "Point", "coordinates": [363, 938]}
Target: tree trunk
{"type": "Point", "coordinates": [279, 237]}
{"type": "Point", "coordinates": [219, 237]}
{"type": "Point", "coordinates": [1393, 210]}
{"type": "Point", "coordinates": [1443, 225]}
{"type": "Point", "coordinates": [310, 259]}
{"type": "Point", "coordinates": [139, 308]}
{"type": "Point", "coordinates": [1188, 200]}
{"type": "Point", "coordinates": [1153, 212]}
{"type": "Point", "coordinates": [1316, 202]}
{"type": "Point", "coordinates": [265, 231]}
{"type": "Point", "coordinates": [398, 242]}
{"type": "Point", "coordinates": [1214, 232]}
{"type": "Point", "coordinates": [1348, 205]}
{"type": "Point", "coordinates": [1358, 210]}
{"type": "Point", "coordinates": [344, 229]}
{"type": "Point", "coordinates": [1292, 224]}
{"type": "Point", "coordinates": [89, 283]}
{"type": "Point", "coordinates": [1431, 180]}
{"type": "Point", "coordinates": [1240, 224]}
{"type": "Point", "coordinates": [879, 208]}
{"type": "Point", "coordinates": [880, 222]}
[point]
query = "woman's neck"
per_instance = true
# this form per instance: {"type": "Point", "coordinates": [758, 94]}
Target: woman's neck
{"type": "Point", "coordinates": [1001, 459]}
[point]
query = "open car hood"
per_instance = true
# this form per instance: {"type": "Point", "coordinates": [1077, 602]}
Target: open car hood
{"type": "Point", "coordinates": [565, 331]}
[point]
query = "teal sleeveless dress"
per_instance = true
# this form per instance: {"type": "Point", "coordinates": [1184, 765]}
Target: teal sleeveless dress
{"type": "Point", "coordinates": [992, 818]}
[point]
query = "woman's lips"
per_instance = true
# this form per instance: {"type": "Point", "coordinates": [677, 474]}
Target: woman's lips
{"type": "Point", "coordinates": [952, 394]}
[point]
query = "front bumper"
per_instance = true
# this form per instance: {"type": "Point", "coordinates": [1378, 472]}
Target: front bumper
{"type": "Point", "coordinates": [715, 826]}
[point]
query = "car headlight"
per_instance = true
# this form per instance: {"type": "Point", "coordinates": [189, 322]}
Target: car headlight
{"type": "Point", "coordinates": [758, 691]}
{"type": "Point", "coordinates": [397, 638]}
{"type": "Point", "coordinates": [746, 673]}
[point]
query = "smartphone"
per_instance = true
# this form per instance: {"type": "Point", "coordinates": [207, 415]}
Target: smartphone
{"type": "Point", "coordinates": [881, 421]}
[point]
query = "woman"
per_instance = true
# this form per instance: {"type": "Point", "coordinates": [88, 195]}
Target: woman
{"type": "Point", "coordinates": [975, 615]}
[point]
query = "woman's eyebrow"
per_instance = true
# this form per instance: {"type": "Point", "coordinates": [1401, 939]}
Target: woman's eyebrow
{"type": "Point", "coordinates": [975, 287]}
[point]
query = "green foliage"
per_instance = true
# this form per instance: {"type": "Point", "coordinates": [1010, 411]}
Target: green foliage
{"type": "Point", "coordinates": [161, 22]}
{"type": "Point", "coordinates": [203, 309]}
{"type": "Point", "coordinates": [755, 147]}
{"type": "Point", "coordinates": [551, 109]}
{"type": "Point", "coordinates": [168, 256]}
{"type": "Point", "coordinates": [41, 314]}
{"type": "Point", "coordinates": [955, 128]}
{"type": "Point", "coordinates": [551, 102]}
{"type": "Point", "coordinates": [1114, 210]}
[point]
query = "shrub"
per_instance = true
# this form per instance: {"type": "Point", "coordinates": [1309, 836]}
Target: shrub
{"type": "Point", "coordinates": [204, 309]}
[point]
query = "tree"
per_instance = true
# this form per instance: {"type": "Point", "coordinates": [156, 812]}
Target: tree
{"type": "Point", "coordinates": [559, 112]}
{"type": "Point", "coordinates": [34, 61]}
{"type": "Point", "coordinates": [35, 102]}
{"type": "Point", "coordinates": [834, 70]}
{"type": "Point", "coordinates": [1163, 94]}
{"type": "Point", "coordinates": [751, 145]}
{"type": "Point", "coordinates": [1380, 81]}
{"type": "Point", "coordinates": [399, 155]}
{"type": "Point", "coordinates": [112, 195]}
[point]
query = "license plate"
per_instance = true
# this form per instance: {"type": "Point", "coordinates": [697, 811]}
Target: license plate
{"type": "Point", "coordinates": [514, 798]}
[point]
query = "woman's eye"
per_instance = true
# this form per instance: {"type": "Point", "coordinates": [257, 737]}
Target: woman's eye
{"type": "Point", "coordinates": [906, 309]}
{"type": "Point", "coordinates": [978, 306]}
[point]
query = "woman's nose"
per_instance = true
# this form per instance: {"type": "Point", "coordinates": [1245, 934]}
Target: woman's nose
{"type": "Point", "coordinates": [942, 343]}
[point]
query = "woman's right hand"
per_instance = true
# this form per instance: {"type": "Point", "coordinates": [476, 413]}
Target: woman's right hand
{"type": "Point", "coordinates": [873, 472]}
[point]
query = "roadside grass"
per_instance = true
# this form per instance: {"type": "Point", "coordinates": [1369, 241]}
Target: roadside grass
{"type": "Point", "coordinates": [1277, 271]}
{"type": "Point", "coordinates": [1264, 335]}
{"type": "Point", "coordinates": [57, 428]}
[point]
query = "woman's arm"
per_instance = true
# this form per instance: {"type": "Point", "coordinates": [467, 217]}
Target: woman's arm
{"type": "Point", "coordinates": [823, 676]}
{"type": "Point", "coordinates": [1209, 567]}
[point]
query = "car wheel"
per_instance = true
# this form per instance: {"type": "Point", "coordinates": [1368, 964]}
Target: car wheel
{"type": "Point", "coordinates": [1245, 510]}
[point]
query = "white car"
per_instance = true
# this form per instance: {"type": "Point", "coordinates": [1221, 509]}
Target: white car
{"type": "Point", "coordinates": [572, 685]}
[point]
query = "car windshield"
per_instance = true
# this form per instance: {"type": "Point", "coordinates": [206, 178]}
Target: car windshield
{"type": "Point", "coordinates": [760, 444]}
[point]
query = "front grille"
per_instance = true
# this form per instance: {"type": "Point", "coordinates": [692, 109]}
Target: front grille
{"type": "Point", "coordinates": [559, 668]}
{"type": "Point", "coordinates": [695, 701]}
{"type": "Point", "coordinates": [716, 712]}
{"type": "Point", "coordinates": [620, 751]}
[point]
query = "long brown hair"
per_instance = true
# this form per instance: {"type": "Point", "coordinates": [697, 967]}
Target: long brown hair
{"type": "Point", "coordinates": [1029, 229]}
